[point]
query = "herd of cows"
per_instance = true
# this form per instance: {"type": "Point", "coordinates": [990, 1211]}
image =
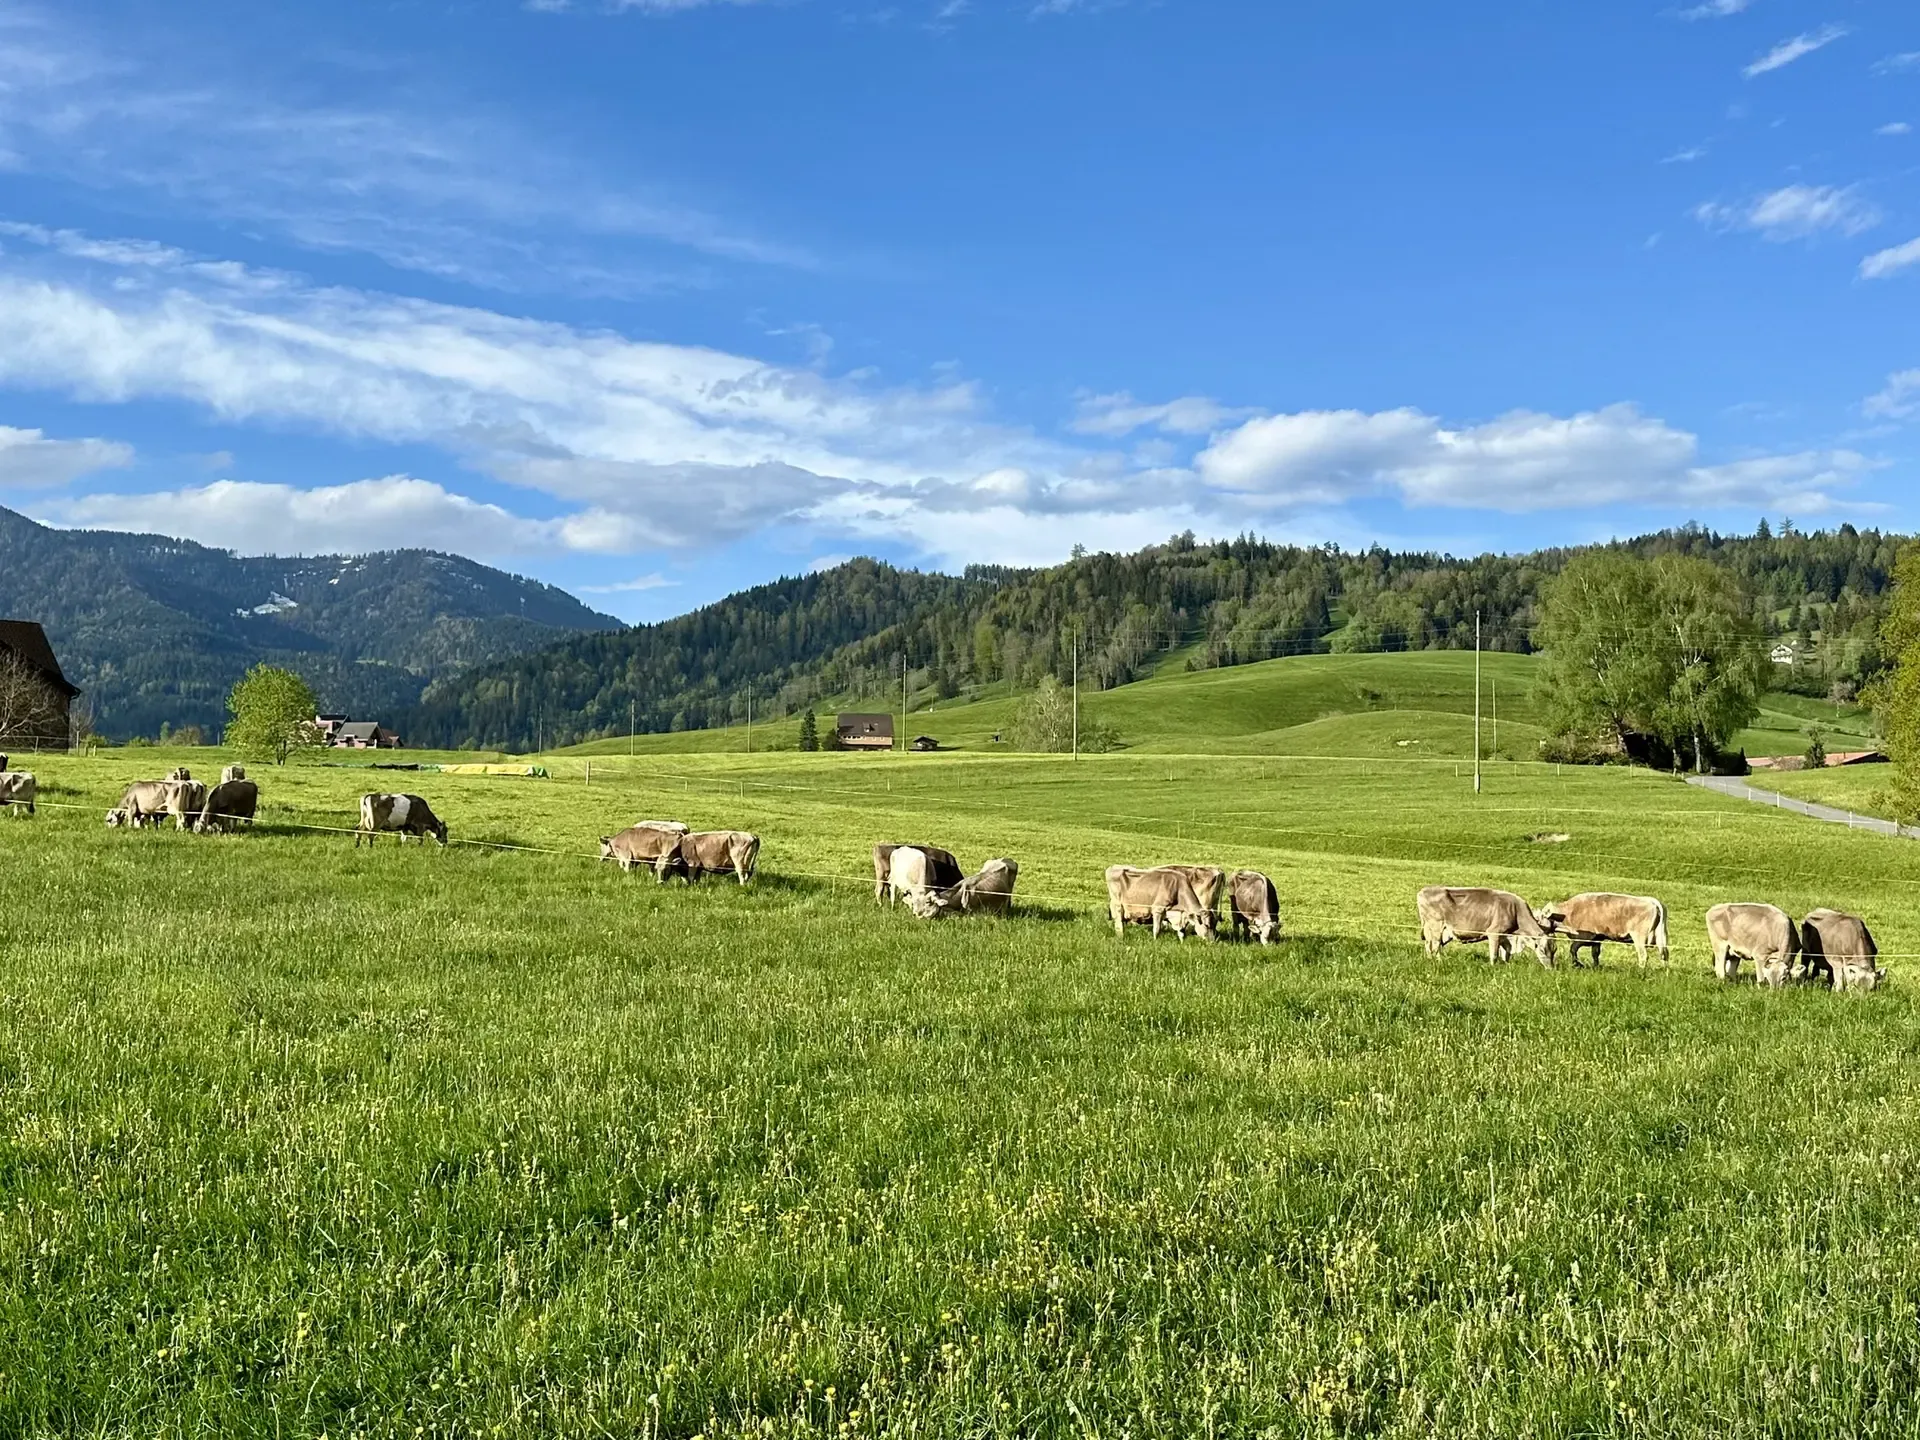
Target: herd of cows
{"type": "Point", "coordinates": [1826, 945]}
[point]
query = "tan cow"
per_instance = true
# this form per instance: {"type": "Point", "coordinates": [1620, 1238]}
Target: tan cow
{"type": "Point", "coordinates": [944, 871]}
{"type": "Point", "coordinates": [1839, 947]}
{"type": "Point", "coordinates": [143, 803]}
{"type": "Point", "coordinates": [18, 787]}
{"type": "Point", "coordinates": [1470, 914]}
{"type": "Point", "coordinates": [989, 891]}
{"type": "Point", "coordinates": [1162, 896]}
{"type": "Point", "coordinates": [647, 844]}
{"type": "Point", "coordinates": [1589, 919]}
{"type": "Point", "coordinates": [1256, 906]}
{"type": "Point", "coordinates": [719, 852]}
{"type": "Point", "coordinates": [228, 803]}
{"type": "Point", "coordinates": [1764, 934]}
{"type": "Point", "coordinates": [186, 799]}
{"type": "Point", "coordinates": [915, 874]}
{"type": "Point", "coordinates": [399, 816]}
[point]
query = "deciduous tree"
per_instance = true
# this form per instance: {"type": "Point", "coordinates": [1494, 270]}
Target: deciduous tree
{"type": "Point", "coordinates": [273, 713]}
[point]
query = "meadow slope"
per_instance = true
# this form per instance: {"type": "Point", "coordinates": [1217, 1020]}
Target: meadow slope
{"type": "Point", "coordinates": [302, 1139]}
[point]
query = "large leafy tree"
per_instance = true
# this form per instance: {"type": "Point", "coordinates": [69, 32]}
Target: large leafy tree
{"type": "Point", "coordinates": [273, 713]}
{"type": "Point", "coordinates": [1896, 695]}
{"type": "Point", "coordinates": [1664, 647]}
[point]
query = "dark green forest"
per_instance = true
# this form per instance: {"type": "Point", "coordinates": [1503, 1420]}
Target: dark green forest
{"type": "Point", "coordinates": [155, 631]}
{"type": "Point", "coordinates": [845, 633]}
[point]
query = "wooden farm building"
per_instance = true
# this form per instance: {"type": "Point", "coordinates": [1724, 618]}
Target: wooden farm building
{"type": "Point", "coordinates": [44, 716]}
{"type": "Point", "coordinates": [863, 732]}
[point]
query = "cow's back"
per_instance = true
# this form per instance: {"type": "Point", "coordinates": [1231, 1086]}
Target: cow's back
{"type": "Point", "coordinates": [1836, 935]}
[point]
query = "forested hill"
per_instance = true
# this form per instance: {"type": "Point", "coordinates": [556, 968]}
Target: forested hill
{"type": "Point", "coordinates": [843, 632]}
{"type": "Point", "coordinates": [156, 630]}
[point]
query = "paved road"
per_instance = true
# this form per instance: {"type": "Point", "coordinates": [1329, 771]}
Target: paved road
{"type": "Point", "coordinates": [1737, 787]}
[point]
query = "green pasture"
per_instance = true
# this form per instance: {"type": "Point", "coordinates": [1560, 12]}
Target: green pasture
{"type": "Point", "coordinates": [306, 1140]}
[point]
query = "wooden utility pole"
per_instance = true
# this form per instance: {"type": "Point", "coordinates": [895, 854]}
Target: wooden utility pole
{"type": "Point", "coordinates": [1493, 687]}
{"type": "Point", "coordinates": [749, 717]}
{"type": "Point", "coordinates": [1076, 694]}
{"type": "Point", "coordinates": [903, 700]}
{"type": "Point", "coordinates": [1476, 702]}
{"type": "Point", "coordinates": [633, 722]}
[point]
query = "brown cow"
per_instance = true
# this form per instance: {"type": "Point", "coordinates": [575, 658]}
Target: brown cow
{"type": "Point", "coordinates": [643, 844]}
{"type": "Point", "coordinates": [1256, 906]}
{"type": "Point", "coordinates": [1840, 948]}
{"type": "Point", "coordinates": [143, 803]}
{"type": "Point", "coordinates": [400, 816]}
{"type": "Point", "coordinates": [1587, 920]}
{"type": "Point", "coordinates": [943, 873]}
{"type": "Point", "coordinates": [1471, 914]}
{"type": "Point", "coordinates": [185, 801]}
{"type": "Point", "coordinates": [719, 852]}
{"type": "Point", "coordinates": [1155, 897]}
{"type": "Point", "coordinates": [228, 803]}
{"type": "Point", "coordinates": [1764, 934]}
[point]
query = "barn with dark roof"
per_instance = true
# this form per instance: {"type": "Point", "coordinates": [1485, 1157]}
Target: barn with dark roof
{"type": "Point", "coordinates": [25, 641]}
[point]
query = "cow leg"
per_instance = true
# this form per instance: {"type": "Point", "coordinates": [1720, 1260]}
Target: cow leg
{"type": "Point", "coordinates": [1496, 950]}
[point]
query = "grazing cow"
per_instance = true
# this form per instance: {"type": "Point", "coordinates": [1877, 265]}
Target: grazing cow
{"type": "Point", "coordinates": [917, 874]}
{"type": "Point", "coordinates": [180, 773]}
{"type": "Point", "coordinates": [1162, 896]}
{"type": "Point", "coordinates": [1471, 914]}
{"type": "Point", "coordinates": [401, 815]}
{"type": "Point", "coordinates": [1839, 947]}
{"type": "Point", "coordinates": [648, 844]}
{"type": "Point", "coordinates": [945, 871]}
{"type": "Point", "coordinates": [1208, 881]}
{"type": "Point", "coordinates": [1764, 934]}
{"type": "Point", "coordinates": [1587, 920]}
{"type": "Point", "coordinates": [719, 852]}
{"type": "Point", "coordinates": [17, 787]}
{"type": "Point", "coordinates": [233, 772]}
{"type": "Point", "coordinates": [144, 802]}
{"type": "Point", "coordinates": [1256, 907]}
{"type": "Point", "coordinates": [186, 799]}
{"type": "Point", "coordinates": [228, 803]}
{"type": "Point", "coordinates": [988, 892]}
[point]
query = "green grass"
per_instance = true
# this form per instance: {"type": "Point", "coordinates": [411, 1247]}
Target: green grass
{"type": "Point", "coordinates": [1781, 727]}
{"type": "Point", "coordinates": [306, 1140]}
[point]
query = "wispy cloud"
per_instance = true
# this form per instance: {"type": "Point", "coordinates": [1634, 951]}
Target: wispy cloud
{"type": "Point", "coordinates": [1794, 212]}
{"type": "Point", "coordinates": [654, 581]}
{"type": "Point", "coordinates": [1715, 9]}
{"type": "Point", "coordinates": [1908, 60]}
{"type": "Point", "coordinates": [441, 189]}
{"type": "Point", "coordinates": [1686, 156]}
{"type": "Point", "coordinates": [1120, 414]}
{"type": "Point", "coordinates": [1898, 399]}
{"type": "Point", "coordinates": [29, 460]}
{"type": "Point", "coordinates": [1892, 261]}
{"type": "Point", "coordinates": [1800, 46]}
{"type": "Point", "coordinates": [1896, 127]}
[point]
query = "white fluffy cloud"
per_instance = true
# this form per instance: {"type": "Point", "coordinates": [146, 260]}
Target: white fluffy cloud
{"type": "Point", "coordinates": [1520, 462]}
{"type": "Point", "coordinates": [396, 511]}
{"type": "Point", "coordinates": [29, 460]}
{"type": "Point", "coordinates": [1794, 212]}
{"type": "Point", "coordinates": [1800, 46]}
{"type": "Point", "coordinates": [1892, 261]}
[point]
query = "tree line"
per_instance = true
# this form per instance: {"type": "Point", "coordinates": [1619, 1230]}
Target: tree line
{"type": "Point", "coordinates": [848, 633]}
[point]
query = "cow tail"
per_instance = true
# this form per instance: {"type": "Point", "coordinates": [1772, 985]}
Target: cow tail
{"type": "Point", "coordinates": [1660, 934]}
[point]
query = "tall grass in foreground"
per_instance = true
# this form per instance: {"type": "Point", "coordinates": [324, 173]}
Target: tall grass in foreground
{"type": "Point", "coordinates": [302, 1140]}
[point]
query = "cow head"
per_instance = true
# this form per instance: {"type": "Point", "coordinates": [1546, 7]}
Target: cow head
{"type": "Point", "coordinates": [606, 847]}
{"type": "Point", "coordinates": [1541, 945]}
{"type": "Point", "coordinates": [929, 904]}
{"type": "Point", "coordinates": [440, 830]}
{"type": "Point", "coordinates": [1202, 921]}
{"type": "Point", "coordinates": [180, 773]}
{"type": "Point", "coordinates": [1550, 917]}
{"type": "Point", "coordinates": [1857, 975]}
{"type": "Point", "coordinates": [116, 818]}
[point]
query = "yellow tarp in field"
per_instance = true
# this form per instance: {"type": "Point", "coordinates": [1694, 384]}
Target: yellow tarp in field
{"type": "Point", "coordinates": [536, 771]}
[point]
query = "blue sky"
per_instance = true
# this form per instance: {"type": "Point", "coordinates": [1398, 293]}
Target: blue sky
{"type": "Point", "coordinates": [656, 300]}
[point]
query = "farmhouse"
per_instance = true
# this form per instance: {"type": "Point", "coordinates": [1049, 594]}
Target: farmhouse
{"type": "Point", "coordinates": [863, 732]}
{"type": "Point", "coordinates": [345, 733]}
{"type": "Point", "coordinates": [35, 697]}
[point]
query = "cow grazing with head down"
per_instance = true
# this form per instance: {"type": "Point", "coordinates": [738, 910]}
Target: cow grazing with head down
{"type": "Point", "coordinates": [918, 874]}
{"type": "Point", "coordinates": [18, 789]}
{"type": "Point", "coordinates": [229, 803]}
{"type": "Point", "coordinates": [942, 873]}
{"type": "Point", "coordinates": [988, 891]}
{"type": "Point", "coordinates": [1838, 947]}
{"type": "Point", "coordinates": [1256, 906]}
{"type": "Point", "coordinates": [1764, 934]}
{"type": "Point", "coordinates": [1588, 920]}
{"type": "Point", "coordinates": [1161, 896]}
{"type": "Point", "coordinates": [655, 844]}
{"type": "Point", "coordinates": [719, 852]}
{"type": "Point", "coordinates": [1470, 914]}
{"type": "Point", "coordinates": [143, 803]}
{"type": "Point", "coordinates": [399, 816]}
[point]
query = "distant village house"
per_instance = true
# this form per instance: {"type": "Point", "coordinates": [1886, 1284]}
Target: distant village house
{"type": "Point", "coordinates": [863, 732]}
{"type": "Point", "coordinates": [345, 733]}
{"type": "Point", "coordinates": [47, 720]}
